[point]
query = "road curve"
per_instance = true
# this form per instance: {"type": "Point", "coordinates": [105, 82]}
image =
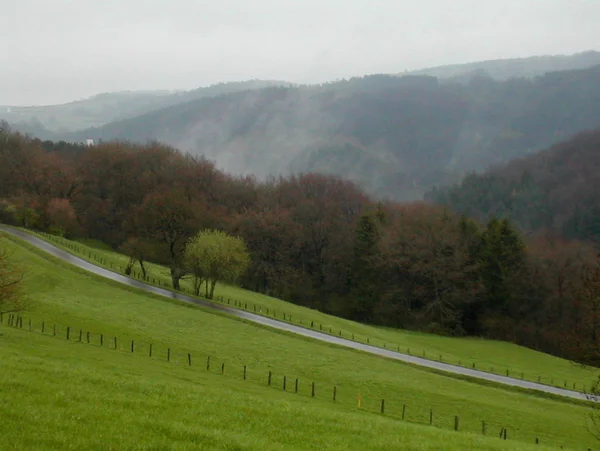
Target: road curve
{"type": "Point", "coordinates": [445, 367]}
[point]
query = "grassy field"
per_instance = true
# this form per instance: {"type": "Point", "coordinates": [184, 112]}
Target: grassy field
{"type": "Point", "coordinates": [60, 395]}
{"type": "Point", "coordinates": [486, 355]}
{"type": "Point", "coordinates": [62, 295]}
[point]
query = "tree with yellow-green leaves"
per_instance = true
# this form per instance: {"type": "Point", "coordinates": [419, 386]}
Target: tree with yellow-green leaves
{"type": "Point", "coordinates": [214, 256]}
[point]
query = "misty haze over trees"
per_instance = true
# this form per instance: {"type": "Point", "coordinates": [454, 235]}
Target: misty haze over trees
{"type": "Point", "coordinates": [397, 137]}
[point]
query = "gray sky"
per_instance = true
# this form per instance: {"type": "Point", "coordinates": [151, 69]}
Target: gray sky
{"type": "Point", "coordinates": [55, 51]}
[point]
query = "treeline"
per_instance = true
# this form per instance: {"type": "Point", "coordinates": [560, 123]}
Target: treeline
{"type": "Point", "coordinates": [315, 240]}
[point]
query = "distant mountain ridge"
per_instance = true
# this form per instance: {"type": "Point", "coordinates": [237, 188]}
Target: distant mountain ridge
{"type": "Point", "coordinates": [108, 107]}
{"type": "Point", "coordinates": [503, 69]}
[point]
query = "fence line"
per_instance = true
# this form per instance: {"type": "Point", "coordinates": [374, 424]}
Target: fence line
{"type": "Point", "coordinates": [404, 411]}
{"type": "Point", "coordinates": [326, 329]}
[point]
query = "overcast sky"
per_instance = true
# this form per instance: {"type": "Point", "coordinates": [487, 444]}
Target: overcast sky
{"type": "Point", "coordinates": [55, 51]}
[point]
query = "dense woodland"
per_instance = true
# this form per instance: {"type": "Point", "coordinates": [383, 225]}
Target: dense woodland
{"type": "Point", "coordinates": [315, 240]}
{"type": "Point", "coordinates": [557, 189]}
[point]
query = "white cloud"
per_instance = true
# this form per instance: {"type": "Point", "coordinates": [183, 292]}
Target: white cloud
{"type": "Point", "coordinates": [55, 51]}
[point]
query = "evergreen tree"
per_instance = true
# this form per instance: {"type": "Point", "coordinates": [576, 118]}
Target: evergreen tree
{"type": "Point", "coordinates": [362, 281]}
{"type": "Point", "coordinates": [501, 257]}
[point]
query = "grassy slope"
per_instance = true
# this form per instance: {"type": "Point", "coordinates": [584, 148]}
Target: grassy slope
{"type": "Point", "coordinates": [65, 296]}
{"type": "Point", "coordinates": [487, 355]}
{"type": "Point", "coordinates": [62, 395]}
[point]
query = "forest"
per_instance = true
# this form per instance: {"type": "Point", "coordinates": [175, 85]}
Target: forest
{"type": "Point", "coordinates": [316, 240]}
{"type": "Point", "coordinates": [556, 189]}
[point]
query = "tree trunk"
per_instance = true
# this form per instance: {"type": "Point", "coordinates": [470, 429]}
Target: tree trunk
{"type": "Point", "coordinates": [141, 260]}
{"type": "Point", "coordinates": [175, 277]}
{"type": "Point", "coordinates": [129, 266]}
{"type": "Point", "coordinates": [213, 283]}
{"type": "Point", "coordinates": [197, 285]}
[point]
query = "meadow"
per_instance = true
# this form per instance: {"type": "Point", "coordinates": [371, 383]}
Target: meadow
{"type": "Point", "coordinates": [94, 394]}
{"type": "Point", "coordinates": [486, 355]}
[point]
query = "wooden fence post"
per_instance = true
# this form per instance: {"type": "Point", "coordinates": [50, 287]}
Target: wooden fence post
{"type": "Point", "coordinates": [115, 343]}
{"type": "Point", "coordinates": [54, 330]}
{"type": "Point", "coordinates": [101, 339]}
{"type": "Point", "coordinates": [68, 331]}
{"type": "Point", "coordinates": [208, 364]}
{"type": "Point", "coordinates": [222, 368]}
{"type": "Point", "coordinates": [269, 382]}
{"type": "Point", "coordinates": [430, 416]}
{"type": "Point", "coordinates": [189, 359]}
{"type": "Point", "coordinates": [88, 336]}
{"type": "Point", "coordinates": [483, 427]}
{"type": "Point", "coordinates": [150, 352]}
{"type": "Point", "coordinates": [313, 390]}
{"type": "Point", "coordinates": [403, 410]}
{"type": "Point", "coordinates": [334, 393]}
{"type": "Point", "coordinates": [132, 346]}
{"type": "Point", "coordinates": [456, 420]}
{"type": "Point", "coordinates": [245, 370]}
{"type": "Point", "coordinates": [168, 354]}
{"type": "Point", "coordinates": [30, 330]}
{"type": "Point", "coordinates": [296, 388]}
{"type": "Point", "coordinates": [284, 382]}
{"type": "Point", "coordinates": [383, 406]}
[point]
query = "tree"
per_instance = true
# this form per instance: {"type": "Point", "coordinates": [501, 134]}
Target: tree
{"type": "Point", "coordinates": [61, 216]}
{"type": "Point", "coordinates": [271, 237]}
{"type": "Point", "coordinates": [138, 250]}
{"type": "Point", "coordinates": [589, 306]}
{"type": "Point", "coordinates": [11, 276]}
{"type": "Point", "coordinates": [362, 280]}
{"type": "Point", "coordinates": [501, 254]}
{"type": "Point", "coordinates": [168, 217]}
{"type": "Point", "coordinates": [214, 256]}
{"type": "Point", "coordinates": [427, 274]}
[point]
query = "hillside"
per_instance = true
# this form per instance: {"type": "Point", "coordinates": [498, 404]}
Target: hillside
{"type": "Point", "coordinates": [503, 69]}
{"type": "Point", "coordinates": [396, 136]}
{"type": "Point", "coordinates": [48, 120]}
{"type": "Point", "coordinates": [314, 240]}
{"type": "Point", "coordinates": [160, 400]}
{"type": "Point", "coordinates": [555, 189]}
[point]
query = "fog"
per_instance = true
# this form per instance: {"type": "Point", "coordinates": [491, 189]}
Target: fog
{"type": "Point", "coordinates": [62, 50]}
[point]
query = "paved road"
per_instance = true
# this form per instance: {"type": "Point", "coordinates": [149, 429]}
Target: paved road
{"type": "Point", "coordinates": [70, 258]}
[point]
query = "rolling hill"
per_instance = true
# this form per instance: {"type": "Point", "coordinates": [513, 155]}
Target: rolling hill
{"type": "Point", "coordinates": [102, 391]}
{"type": "Point", "coordinates": [555, 189]}
{"type": "Point", "coordinates": [504, 69]}
{"type": "Point", "coordinates": [47, 121]}
{"type": "Point", "coordinates": [396, 136]}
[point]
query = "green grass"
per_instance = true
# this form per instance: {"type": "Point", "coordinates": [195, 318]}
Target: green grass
{"type": "Point", "coordinates": [58, 395]}
{"type": "Point", "coordinates": [65, 296]}
{"type": "Point", "coordinates": [486, 355]}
